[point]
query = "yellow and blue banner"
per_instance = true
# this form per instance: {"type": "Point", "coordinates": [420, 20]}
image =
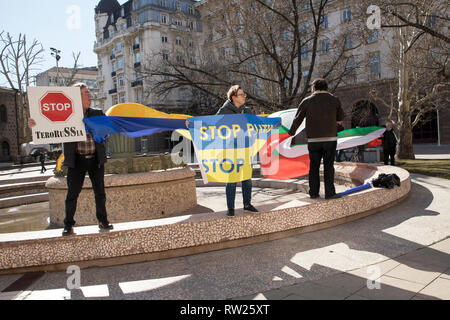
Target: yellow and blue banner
{"type": "Point", "coordinates": [226, 145]}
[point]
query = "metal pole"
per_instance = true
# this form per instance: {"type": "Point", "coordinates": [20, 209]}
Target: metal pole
{"type": "Point", "coordinates": [438, 129]}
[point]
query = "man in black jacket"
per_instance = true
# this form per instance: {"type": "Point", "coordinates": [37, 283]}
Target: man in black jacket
{"type": "Point", "coordinates": [323, 112]}
{"type": "Point", "coordinates": [81, 157]}
{"type": "Point", "coordinates": [389, 144]}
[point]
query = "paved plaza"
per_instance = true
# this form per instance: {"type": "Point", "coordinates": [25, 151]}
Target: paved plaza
{"type": "Point", "coordinates": [400, 253]}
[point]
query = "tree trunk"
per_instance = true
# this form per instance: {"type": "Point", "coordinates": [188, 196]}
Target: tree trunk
{"type": "Point", "coordinates": [405, 147]}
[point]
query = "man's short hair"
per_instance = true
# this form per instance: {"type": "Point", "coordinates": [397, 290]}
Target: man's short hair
{"type": "Point", "coordinates": [233, 91]}
{"type": "Point", "coordinates": [319, 84]}
{"type": "Point", "coordinates": [80, 85]}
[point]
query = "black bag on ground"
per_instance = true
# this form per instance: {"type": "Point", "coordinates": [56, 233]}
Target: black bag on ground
{"type": "Point", "coordinates": [386, 181]}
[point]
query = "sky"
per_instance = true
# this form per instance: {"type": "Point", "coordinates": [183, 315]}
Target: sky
{"type": "Point", "coordinates": [67, 25]}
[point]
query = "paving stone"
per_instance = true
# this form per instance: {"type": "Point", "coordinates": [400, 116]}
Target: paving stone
{"type": "Point", "coordinates": [414, 273]}
{"type": "Point", "coordinates": [439, 288]}
{"type": "Point", "coordinates": [345, 281]}
{"type": "Point", "coordinates": [392, 289]}
{"type": "Point", "coordinates": [375, 270]}
{"type": "Point", "coordinates": [314, 291]}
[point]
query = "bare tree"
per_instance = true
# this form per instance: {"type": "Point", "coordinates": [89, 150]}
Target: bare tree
{"type": "Point", "coordinates": [272, 48]}
{"type": "Point", "coordinates": [18, 60]}
{"type": "Point", "coordinates": [421, 59]}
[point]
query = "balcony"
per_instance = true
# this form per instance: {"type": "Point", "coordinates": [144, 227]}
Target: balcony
{"type": "Point", "coordinates": [136, 46]}
{"type": "Point", "coordinates": [137, 65]}
{"type": "Point", "coordinates": [136, 83]}
{"type": "Point", "coordinates": [112, 91]}
{"type": "Point", "coordinates": [113, 74]}
{"type": "Point", "coordinates": [112, 57]}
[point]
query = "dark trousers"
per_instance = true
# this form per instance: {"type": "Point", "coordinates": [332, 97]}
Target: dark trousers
{"type": "Point", "coordinates": [43, 169]}
{"type": "Point", "coordinates": [318, 151]}
{"type": "Point", "coordinates": [75, 180]}
{"type": "Point", "coordinates": [389, 153]}
{"type": "Point", "coordinates": [230, 190]}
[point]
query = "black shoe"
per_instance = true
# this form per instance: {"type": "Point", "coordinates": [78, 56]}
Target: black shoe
{"type": "Point", "coordinates": [250, 208]}
{"type": "Point", "coordinates": [314, 196]}
{"type": "Point", "coordinates": [68, 231]}
{"type": "Point", "coordinates": [336, 196]}
{"type": "Point", "coordinates": [230, 213]}
{"type": "Point", "coordinates": [105, 226]}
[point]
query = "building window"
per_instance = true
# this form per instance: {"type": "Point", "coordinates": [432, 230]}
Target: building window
{"type": "Point", "coordinates": [191, 43]}
{"type": "Point", "coordinates": [324, 22]}
{"type": "Point", "coordinates": [163, 19]}
{"type": "Point", "coordinates": [121, 81]}
{"type": "Point", "coordinates": [165, 56]}
{"type": "Point", "coordinates": [431, 20]}
{"type": "Point", "coordinates": [347, 15]}
{"type": "Point", "coordinates": [114, 99]}
{"type": "Point", "coordinates": [304, 52]}
{"type": "Point", "coordinates": [348, 42]}
{"type": "Point", "coordinates": [164, 38]}
{"type": "Point", "coordinates": [139, 96]}
{"type": "Point", "coordinates": [325, 46]}
{"type": "Point", "coordinates": [178, 41]}
{"type": "Point", "coordinates": [303, 27]}
{"type": "Point", "coordinates": [137, 57]}
{"type": "Point", "coordinates": [122, 98]}
{"type": "Point", "coordinates": [119, 46]}
{"type": "Point", "coordinates": [190, 25]}
{"type": "Point", "coordinates": [191, 10]}
{"type": "Point", "coordinates": [120, 63]}
{"type": "Point", "coordinates": [3, 114]}
{"type": "Point", "coordinates": [192, 60]}
{"type": "Point", "coordinates": [163, 3]}
{"type": "Point", "coordinates": [373, 36]}
{"type": "Point", "coordinates": [136, 40]}
{"type": "Point", "coordinates": [305, 77]}
{"type": "Point", "coordinates": [374, 62]}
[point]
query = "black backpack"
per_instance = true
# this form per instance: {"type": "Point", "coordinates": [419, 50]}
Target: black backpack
{"type": "Point", "coordinates": [386, 181]}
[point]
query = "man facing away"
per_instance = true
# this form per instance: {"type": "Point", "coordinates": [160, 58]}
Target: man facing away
{"type": "Point", "coordinates": [81, 157]}
{"type": "Point", "coordinates": [236, 104]}
{"type": "Point", "coordinates": [322, 111]}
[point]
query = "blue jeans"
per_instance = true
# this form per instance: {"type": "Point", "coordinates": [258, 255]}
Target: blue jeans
{"type": "Point", "coordinates": [230, 190]}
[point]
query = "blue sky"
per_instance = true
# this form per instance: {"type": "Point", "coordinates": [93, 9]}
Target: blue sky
{"type": "Point", "coordinates": [67, 25]}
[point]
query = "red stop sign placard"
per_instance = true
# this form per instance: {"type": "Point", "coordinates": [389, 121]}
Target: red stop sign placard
{"type": "Point", "coordinates": [56, 106]}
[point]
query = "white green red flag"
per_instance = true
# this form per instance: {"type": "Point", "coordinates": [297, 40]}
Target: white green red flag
{"type": "Point", "coordinates": [282, 157]}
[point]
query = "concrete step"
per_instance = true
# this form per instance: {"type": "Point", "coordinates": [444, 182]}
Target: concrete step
{"type": "Point", "coordinates": [14, 201]}
{"type": "Point", "coordinates": [22, 188]}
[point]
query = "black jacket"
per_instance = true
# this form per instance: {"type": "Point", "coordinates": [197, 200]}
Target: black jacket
{"type": "Point", "coordinates": [70, 148]}
{"type": "Point", "coordinates": [229, 108]}
{"type": "Point", "coordinates": [322, 110]}
{"type": "Point", "coordinates": [389, 140]}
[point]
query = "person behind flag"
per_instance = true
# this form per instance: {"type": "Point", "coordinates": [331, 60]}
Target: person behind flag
{"type": "Point", "coordinates": [236, 104]}
{"type": "Point", "coordinates": [389, 144]}
{"type": "Point", "coordinates": [322, 111]}
{"type": "Point", "coordinates": [81, 157]}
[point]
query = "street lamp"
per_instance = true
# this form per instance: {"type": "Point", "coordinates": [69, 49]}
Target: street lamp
{"type": "Point", "coordinates": [55, 53]}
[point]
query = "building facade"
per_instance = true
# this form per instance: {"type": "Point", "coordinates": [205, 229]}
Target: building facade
{"type": "Point", "coordinates": [135, 37]}
{"type": "Point", "coordinates": [9, 132]}
{"type": "Point", "coordinates": [68, 76]}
